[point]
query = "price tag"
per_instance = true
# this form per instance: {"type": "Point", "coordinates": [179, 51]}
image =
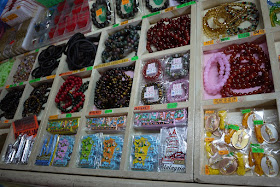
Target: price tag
{"type": "Point", "coordinates": [223, 152]}
{"type": "Point", "coordinates": [97, 112]}
{"type": "Point", "coordinates": [50, 77]}
{"type": "Point", "coordinates": [18, 7]}
{"type": "Point", "coordinates": [258, 122]}
{"type": "Point", "coordinates": [211, 42]}
{"type": "Point", "coordinates": [146, 107]}
{"type": "Point", "coordinates": [172, 105]}
{"type": "Point", "coordinates": [12, 16]}
{"type": "Point", "coordinates": [35, 80]}
{"type": "Point", "coordinates": [89, 68]}
{"type": "Point", "coordinates": [134, 58]}
{"type": "Point", "coordinates": [124, 2]}
{"type": "Point", "coordinates": [225, 39]}
{"type": "Point", "coordinates": [8, 86]}
{"type": "Point", "coordinates": [111, 63]}
{"type": "Point", "coordinates": [125, 22]}
{"type": "Point", "coordinates": [151, 69]}
{"type": "Point", "coordinates": [115, 25]}
{"type": "Point", "coordinates": [257, 150]}
{"type": "Point", "coordinates": [169, 9]}
{"type": "Point", "coordinates": [255, 145]}
{"type": "Point", "coordinates": [209, 112]}
{"type": "Point", "coordinates": [68, 115]}
{"type": "Point", "coordinates": [150, 92]}
{"type": "Point", "coordinates": [25, 54]}
{"type": "Point", "coordinates": [207, 172]}
{"type": "Point", "coordinates": [66, 73]}
{"type": "Point", "coordinates": [225, 100]}
{"type": "Point", "coordinates": [258, 32]}
{"type": "Point", "coordinates": [244, 35]}
{"type": "Point", "coordinates": [75, 71]}
{"type": "Point", "coordinates": [234, 127]}
{"type": "Point", "coordinates": [152, 14]}
{"type": "Point", "coordinates": [176, 90]}
{"type": "Point", "coordinates": [245, 111]}
{"type": "Point", "coordinates": [5, 20]}
{"type": "Point", "coordinates": [21, 83]}
{"type": "Point", "coordinates": [186, 4]}
{"type": "Point", "coordinates": [53, 117]}
{"type": "Point", "coordinates": [6, 121]}
{"type": "Point", "coordinates": [209, 139]}
{"type": "Point", "coordinates": [108, 111]}
{"type": "Point", "coordinates": [37, 50]}
{"type": "Point", "coordinates": [99, 12]}
{"type": "Point", "coordinates": [176, 64]}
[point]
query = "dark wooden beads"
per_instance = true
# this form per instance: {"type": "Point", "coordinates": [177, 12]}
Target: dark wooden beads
{"type": "Point", "coordinates": [108, 17]}
{"type": "Point", "coordinates": [10, 102]}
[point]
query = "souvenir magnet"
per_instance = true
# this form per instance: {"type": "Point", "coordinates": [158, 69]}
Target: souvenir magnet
{"type": "Point", "coordinates": [228, 166]}
{"type": "Point", "coordinates": [212, 123]}
{"type": "Point", "coordinates": [269, 133]}
{"type": "Point", "coordinates": [253, 117]}
{"type": "Point", "coordinates": [240, 139]}
{"type": "Point", "coordinates": [270, 166]}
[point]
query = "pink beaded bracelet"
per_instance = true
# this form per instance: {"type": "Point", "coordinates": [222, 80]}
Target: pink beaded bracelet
{"type": "Point", "coordinates": [224, 73]}
{"type": "Point", "coordinates": [178, 98]}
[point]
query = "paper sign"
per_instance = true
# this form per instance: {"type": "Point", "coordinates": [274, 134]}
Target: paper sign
{"type": "Point", "coordinates": [146, 107]}
{"type": "Point", "coordinates": [176, 64]}
{"type": "Point", "coordinates": [176, 90]}
{"type": "Point", "coordinates": [151, 69]}
{"type": "Point", "coordinates": [99, 12]}
{"type": "Point", "coordinates": [150, 92]}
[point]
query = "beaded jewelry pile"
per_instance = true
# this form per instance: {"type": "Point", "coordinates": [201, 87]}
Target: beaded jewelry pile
{"type": "Point", "coordinates": [10, 103]}
{"type": "Point", "coordinates": [24, 69]}
{"type": "Point", "coordinates": [105, 17]}
{"type": "Point", "coordinates": [233, 15]}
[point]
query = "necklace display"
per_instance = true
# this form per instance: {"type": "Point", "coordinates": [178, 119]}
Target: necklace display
{"type": "Point", "coordinates": [113, 89]}
{"type": "Point", "coordinates": [9, 103]}
{"type": "Point", "coordinates": [38, 97]}
{"type": "Point", "coordinates": [104, 19]}
{"type": "Point", "coordinates": [70, 97]}
{"type": "Point", "coordinates": [233, 15]}
{"type": "Point", "coordinates": [131, 8]}
{"type": "Point", "coordinates": [169, 33]}
{"type": "Point", "coordinates": [121, 43]}
{"type": "Point", "coordinates": [157, 8]}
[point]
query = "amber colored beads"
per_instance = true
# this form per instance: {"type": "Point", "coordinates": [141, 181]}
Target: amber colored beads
{"type": "Point", "coordinates": [169, 33]}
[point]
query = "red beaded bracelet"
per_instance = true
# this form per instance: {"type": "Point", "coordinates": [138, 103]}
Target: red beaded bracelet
{"type": "Point", "coordinates": [159, 70]}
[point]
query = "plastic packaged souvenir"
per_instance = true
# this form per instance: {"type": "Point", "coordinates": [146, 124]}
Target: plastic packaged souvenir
{"type": "Point", "coordinates": [152, 70]}
{"type": "Point", "coordinates": [152, 93]}
{"type": "Point", "coordinates": [63, 150]}
{"type": "Point", "coordinates": [127, 9]}
{"type": "Point", "coordinates": [47, 151]}
{"type": "Point", "coordinates": [160, 119]}
{"type": "Point", "coordinates": [106, 123]}
{"type": "Point", "coordinates": [144, 155]}
{"type": "Point", "coordinates": [102, 13]}
{"type": "Point", "coordinates": [90, 151]}
{"type": "Point", "coordinates": [173, 150]}
{"type": "Point", "coordinates": [177, 66]}
{"type": "Point", "coordinates": [112, 152]}
{"type": "Point", "coordinates": [64, 126]}
{"type": "Point", "coordinates": [178, 91]}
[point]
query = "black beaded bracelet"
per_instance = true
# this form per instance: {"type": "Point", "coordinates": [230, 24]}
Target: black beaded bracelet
{"type": "Point", "coordinates": [121, 43]}
{"type": "Point", "coordinates": [182, 72]}
{"type": "Point", "coordinates": [10, 102]}
{"type": "Point", "coordinates": [104, 20]}
{"type": "Point", "coordinates": [113, 89]}
{"type": "Point", "coordinates": [155, 9]}
{"type": "Point", "coordinates": [130, 13]}
{"type": "Point", "coordinates": [161, 93]}
{"type": "Point", "coordinates": [183, 1]}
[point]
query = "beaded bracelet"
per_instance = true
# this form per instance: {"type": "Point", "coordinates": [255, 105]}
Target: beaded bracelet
{"type": "Point", "coordinates": [273, 15]}
{"type": "Point", "coordinates": [131, 10]}
{"type": "Point", "coordinates": [9, 103]}
{"type": "Point", "coordinates": [152, 9]}
{"type": "Point", "coordinates": [24, 69]}
{"type": "Point", "coordinates": [180, 71]}
{"type": "Point", "coordinates": [173, 97]}
{"type": "Point", "coordinates": [158, 73]}
{"type": "Point", "coordinates": [161, 93]}
{"type": "Point", "coordinates": [104, 20]}
{"type": "Point", "coordinates": [113, 89]}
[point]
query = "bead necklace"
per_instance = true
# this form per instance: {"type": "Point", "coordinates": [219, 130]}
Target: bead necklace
{"type": "Point", "coordinates": [131, 8]}
{"type": "Point", "coordinates": [179, 95]}
{"type": "Point", "coordinates": [177, 70]}
{"type": "Point", "coordinates": [38, 97]}
{"type": "Point", "coordinates": [152, 101]}
{"type": "Point", "coordinates": [108, 18]}
{"type": "Point", "coordinates": [169, 33]}
{"type": "Point", "coordinates": [70, 97]}
{"type": "Point", "coordinates": [10, 102]}
{"type": "Point", "coordinates": [24, 69]}
{"type": "Point", "coordinates": [155, 9]}
{"type": "Point", "coordinates": [121, 43]}
{"type": "Point", "coordinates": [113, 89]}
{"type": "Point", "coordinates": [152, 76]}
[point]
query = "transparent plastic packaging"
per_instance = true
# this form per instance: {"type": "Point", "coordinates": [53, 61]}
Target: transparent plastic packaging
{"type": "Point", "coordinates": [173, 150]}
{"type": "Point", "coordinates": [177, 91]}
{"type": "Point", "coordinates": [112, 152]}
{"type": "Point", "coordinates": [90, 151]}
{"type": "Point", "coordinates": [102, 14]}
{"type": "Point", "coordinates": [47, 151]}
{"type": "Point", "coordinates": [63, 126]}
{"type": "Point", "coordinates": [112, 124]}
{"type": "Point", "coordinates": [144, 153]}
{"type": "Point", "coordinates": [152, 93]}
{"type": "Point", "coordinates": [159, 119]}
{"type": "Point", "coordinates": [127, 9]}
{"type": "Point", "coordinates": [63, 150]}
{"type": "Point", "coordinates": [152, 70]}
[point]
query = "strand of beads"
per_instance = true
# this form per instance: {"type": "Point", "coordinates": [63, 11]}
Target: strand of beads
{"type": "Point", "coordinates": [33, 105]}
{"type": "Point", "coordinates": [113, 89]}
{"type": "Point", "coordinates": [24, 69]}
{"type": "Point", "coordinates": [104, 19]}
{"type": "Point", "coordinates": [121, 43]}
{"type": "Point", "coordinates": [70, 97]}
{"type": "Point", "coordinates": [233, 15]}
{"type": "Point", "coordinates": [169, 33]}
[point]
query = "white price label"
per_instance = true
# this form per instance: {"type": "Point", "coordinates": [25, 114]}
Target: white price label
{"type": "Point", "coordinates": [151, 69]}
{"type": "Point", "coordinates": [150, 92]}
{"type": "Point", "coordinates": [176, 89]}
{"type": "Point", "coordinates": [176, 64]}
